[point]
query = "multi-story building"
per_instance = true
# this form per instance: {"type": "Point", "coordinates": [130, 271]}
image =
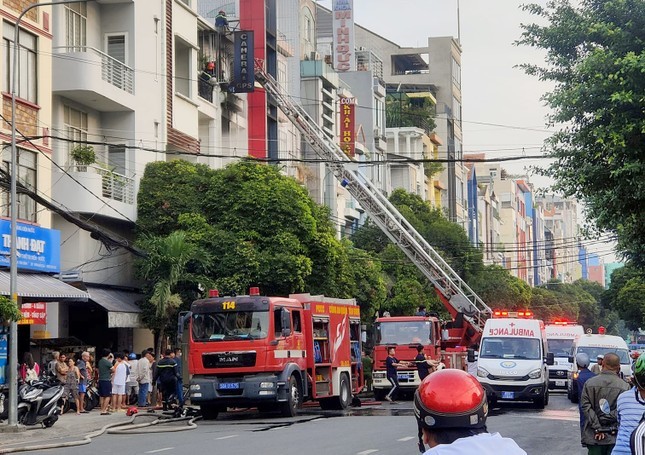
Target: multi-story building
{"type": "Point", "coordinates": [38, 239]}
{"type": "Point", "coordinates": [611, 267]}
{"type": "Point", "coordinates": [428, 71]}
{"type": "Point", "coordinates": [561, 220]}
{"type": "Point", "coordinates": [129, 80]}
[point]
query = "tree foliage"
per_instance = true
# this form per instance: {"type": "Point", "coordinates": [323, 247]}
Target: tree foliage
{"type": "Point", "coordinates": [595, 56]}
{"type": "Point", "coordinates": [254, 227]}
{"type": "Point", "coordinates": [625, 295]}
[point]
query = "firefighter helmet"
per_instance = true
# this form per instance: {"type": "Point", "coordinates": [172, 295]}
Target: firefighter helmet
{"type": "Point", "coordinates": [450, 398]}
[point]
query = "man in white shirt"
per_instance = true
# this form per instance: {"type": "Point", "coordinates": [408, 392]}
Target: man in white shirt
{"type": "Point", "coordinates": [454, 421]}
{"type": "Point", "coordinates": [144, 377]}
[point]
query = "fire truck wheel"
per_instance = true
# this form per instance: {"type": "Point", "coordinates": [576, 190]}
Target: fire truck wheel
{"type": "Point", "coordinates": [290, 407]}
{"type": "Point", "coordinates": [209, 412]}
{"type": "Point", "coordinates": [343, 399]}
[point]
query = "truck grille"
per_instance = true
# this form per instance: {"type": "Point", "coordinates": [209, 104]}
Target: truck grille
{"type": "Point", "coordinates": [228, 359]}
{"type": "Point", "coordinates": [557, 374]}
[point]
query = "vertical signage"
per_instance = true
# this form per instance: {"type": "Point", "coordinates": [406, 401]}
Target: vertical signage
{"type": "Point", "coordinates": [343, 31]}
{"type": "Point", "coordinates": [33, 313]}
{"type": "Point", "coordinates": [4, 334]}
{"type": "Point", "coordinates": [347, 127]}
{"type": "Point", "coordinates": [243, 66]}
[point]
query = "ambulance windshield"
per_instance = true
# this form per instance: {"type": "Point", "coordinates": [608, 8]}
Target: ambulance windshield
{"type": "Point", "coordinates": [510, 348]}
{"type": "Point", "coordinates": [232, 325]}
{"type": "Point", "coordinates": [404, 332]}
{"type": "Point", "coordinates": [560, 348]}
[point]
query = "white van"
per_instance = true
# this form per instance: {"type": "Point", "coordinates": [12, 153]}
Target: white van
{"type": "Point", "coordinates": [593, 345]}
{"type": "Point", "coordinates": [512, 362]}
{"type": "Point", "coordinates": [560, 338]}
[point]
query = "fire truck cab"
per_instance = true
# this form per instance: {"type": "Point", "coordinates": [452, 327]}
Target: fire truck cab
{"type": "Point", "coordinates": [404, 333]}
{"type": "Point", "coordinates": [513, 358]}
{"type": "Point", "coordinates": [273, 352]}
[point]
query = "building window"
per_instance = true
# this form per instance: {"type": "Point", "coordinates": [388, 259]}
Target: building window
{"type": "Point", "coordinates": [456, 111]}
{"type": "Point", "coordinates": [76, 24]}
{"type": "Point", "coordinates": [27, 161]}
{"type": "Point", "coordinates": [456, 73]}
{"type": "Point", "coordinates": [75, 127]}
{"type": "Point", "coordinates": [308, 27]}
{"type": "Point", "coordinates": [27, 70]}
{"type": "Point", "coordinates": [183, 67]}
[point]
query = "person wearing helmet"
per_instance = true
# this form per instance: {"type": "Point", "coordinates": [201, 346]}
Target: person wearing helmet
{"type": "Point", "coordinates": [630, 407]}
{"type": "Point", "coordinates": [583, 361]}
{"type": "Point", "coordinates": [450, 407]}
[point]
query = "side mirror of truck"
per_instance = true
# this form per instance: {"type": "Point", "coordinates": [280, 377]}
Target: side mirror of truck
{"type": "Point", "coordinates": [570, 359]}
{"type": "Point", "coordinates": [550, 358]}
{"type": "Point", "coordinates": [471, 355]}
{"type": "Point", "coordinates": [285, 317]}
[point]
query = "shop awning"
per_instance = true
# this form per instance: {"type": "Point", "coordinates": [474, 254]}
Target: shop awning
{"type": "Point", "coordinates": [42, 287]}
{"type": "Point", "coordinates": [121, 306]}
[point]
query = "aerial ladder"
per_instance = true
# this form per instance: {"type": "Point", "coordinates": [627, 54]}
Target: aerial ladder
{"type": "Point", "coordinates": [467, 309]}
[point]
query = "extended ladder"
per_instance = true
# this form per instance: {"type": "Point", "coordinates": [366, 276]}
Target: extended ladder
{"type": "Point", "coordinates": [455, 294]}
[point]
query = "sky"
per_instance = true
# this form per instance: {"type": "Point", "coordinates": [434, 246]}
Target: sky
{"type": "Point", "coordinates": [502, 112]}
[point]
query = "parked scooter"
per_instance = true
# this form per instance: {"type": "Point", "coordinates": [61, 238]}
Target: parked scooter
{"type": "Point", "coordinates": [38, 402]}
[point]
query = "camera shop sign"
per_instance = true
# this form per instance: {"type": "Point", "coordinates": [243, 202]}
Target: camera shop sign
{"type": "Point", "coordinates": [33, 313]}
{"type": "Point", "coordinates": [243, 64]}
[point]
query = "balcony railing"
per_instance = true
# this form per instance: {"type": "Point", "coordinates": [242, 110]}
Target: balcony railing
{"type": "Point", "coordinates": [114, 186]}
{"type": "Point", "coordinates": [113, 71]}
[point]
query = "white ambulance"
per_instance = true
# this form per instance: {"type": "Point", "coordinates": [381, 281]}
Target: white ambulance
{"type": "Point", "coordinates": [560, 336]}
{"type": "Point", "coordinates": [595, 344]}
{"type": "Point", "coordinates": [513, 358]}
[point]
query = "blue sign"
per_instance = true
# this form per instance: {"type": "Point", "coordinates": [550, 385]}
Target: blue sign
{"type": "Point", "coordinates": [3, 353]}
{"type": "Point", "coordinates": [38, 248]}
{"type": "Point", "coordinates": [243, 63]}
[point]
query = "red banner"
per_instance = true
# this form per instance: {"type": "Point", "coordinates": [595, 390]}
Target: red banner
{"type": "Point", "coordinates": [33, 313]}
{"type": "Point", "coordinates": [347, 126]}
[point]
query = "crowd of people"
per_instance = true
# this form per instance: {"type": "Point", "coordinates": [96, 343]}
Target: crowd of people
{"type": "Point", "coordinates": [122, 378]}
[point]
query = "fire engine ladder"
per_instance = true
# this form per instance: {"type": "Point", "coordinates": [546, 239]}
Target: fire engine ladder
{"type": "Point", "coordinates": [456, 295]}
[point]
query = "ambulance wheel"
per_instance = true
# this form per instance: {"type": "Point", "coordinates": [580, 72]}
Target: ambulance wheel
{"type": "Point", "coordinates": [290, 407]}
{"type": "Point", "coordinates": [209, 412]}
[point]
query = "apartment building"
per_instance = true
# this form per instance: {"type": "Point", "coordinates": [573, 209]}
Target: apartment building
{"type": "Point", "coordinates": [561, 220]}
{"type": "Point", "coordinates": [428, 71]}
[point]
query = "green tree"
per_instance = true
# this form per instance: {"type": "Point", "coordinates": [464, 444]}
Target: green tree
{"type": "Point", "coordinates": [621, 295]}
{"type": "Point", "coordinates": [595, 56]}
{"type": "Point", "coordinates": [501, 290]}
{"type": "Point", "coordinates": [171, 261]}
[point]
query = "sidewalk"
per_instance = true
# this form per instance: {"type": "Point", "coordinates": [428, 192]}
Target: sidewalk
{"type": "Point", "coordinates": [69, 427]}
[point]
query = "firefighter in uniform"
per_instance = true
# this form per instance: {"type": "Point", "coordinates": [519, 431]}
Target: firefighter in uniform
{"type": "Point", "coordinates": [450, 407]}
{"type": "Point", "coordinates": [167, 375]}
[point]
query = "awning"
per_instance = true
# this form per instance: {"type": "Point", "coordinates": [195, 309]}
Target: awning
{"type": "Point", "coordinates": [121, 306]}
{"type": "Point", "coordinates": [42, 287]}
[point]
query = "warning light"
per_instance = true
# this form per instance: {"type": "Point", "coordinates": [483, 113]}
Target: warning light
{"type": "Point", "coordinates": [213, 293]}
{"type": "Point", "coordinates": [512, 314]}
{"type": "Point", "coordinates": [254, 290]}
{"type": "Point", "coordinates": [601, 330]}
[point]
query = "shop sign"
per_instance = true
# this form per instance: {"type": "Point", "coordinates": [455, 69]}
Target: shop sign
{"type": "Point", "coordinates": [38, 248]}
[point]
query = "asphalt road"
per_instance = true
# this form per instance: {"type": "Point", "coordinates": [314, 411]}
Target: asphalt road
{"type": "Point", "coordinates": [379, 429]}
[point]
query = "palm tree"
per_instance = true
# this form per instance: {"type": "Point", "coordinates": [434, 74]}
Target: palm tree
{"type": "Point", "coordinates": [171, 260]}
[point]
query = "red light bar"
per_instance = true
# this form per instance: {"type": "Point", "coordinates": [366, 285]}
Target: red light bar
{"type": "Point", "coordinates": [213, 293]}
{"type": "Point", "coordinates": [254, 290]}
{"type": "Point", "coordinates": [512, 314]}
{"type": "Point", "coordinates": [601, 330]}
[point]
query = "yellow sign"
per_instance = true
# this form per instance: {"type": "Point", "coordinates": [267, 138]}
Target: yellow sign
{"type": "Point", "coordinates": [228, 305]}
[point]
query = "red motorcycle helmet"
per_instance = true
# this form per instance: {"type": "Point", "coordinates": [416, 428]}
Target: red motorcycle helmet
{"type": "Point", "coordinates": [450, 398]}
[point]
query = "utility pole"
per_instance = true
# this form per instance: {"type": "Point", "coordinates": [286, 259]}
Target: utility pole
{"type": "Point", "coordinates": [13, 267]}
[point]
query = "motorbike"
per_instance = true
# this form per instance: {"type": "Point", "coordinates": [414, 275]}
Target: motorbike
{"type": "Point", "coordinates": [39, 402]}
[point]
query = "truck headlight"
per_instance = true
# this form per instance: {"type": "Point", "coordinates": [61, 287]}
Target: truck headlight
{"type": "Point", "coordinates": [379, 375]}
{"type": "Point", "coordinates": [266, 385]}
{"type": "Point", "coordinates": [195, 387]}
{"type": "Point", "coordinates": [535, 374]}
{"type": "Point", "coordinates": [482, 373]}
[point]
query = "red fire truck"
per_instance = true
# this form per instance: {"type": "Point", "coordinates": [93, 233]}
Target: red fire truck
{"type": "Point", "coordinates": [272, 353]}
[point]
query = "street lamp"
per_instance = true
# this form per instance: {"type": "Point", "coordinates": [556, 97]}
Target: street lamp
{"type": "Point", "coordinates": [13, 267]}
